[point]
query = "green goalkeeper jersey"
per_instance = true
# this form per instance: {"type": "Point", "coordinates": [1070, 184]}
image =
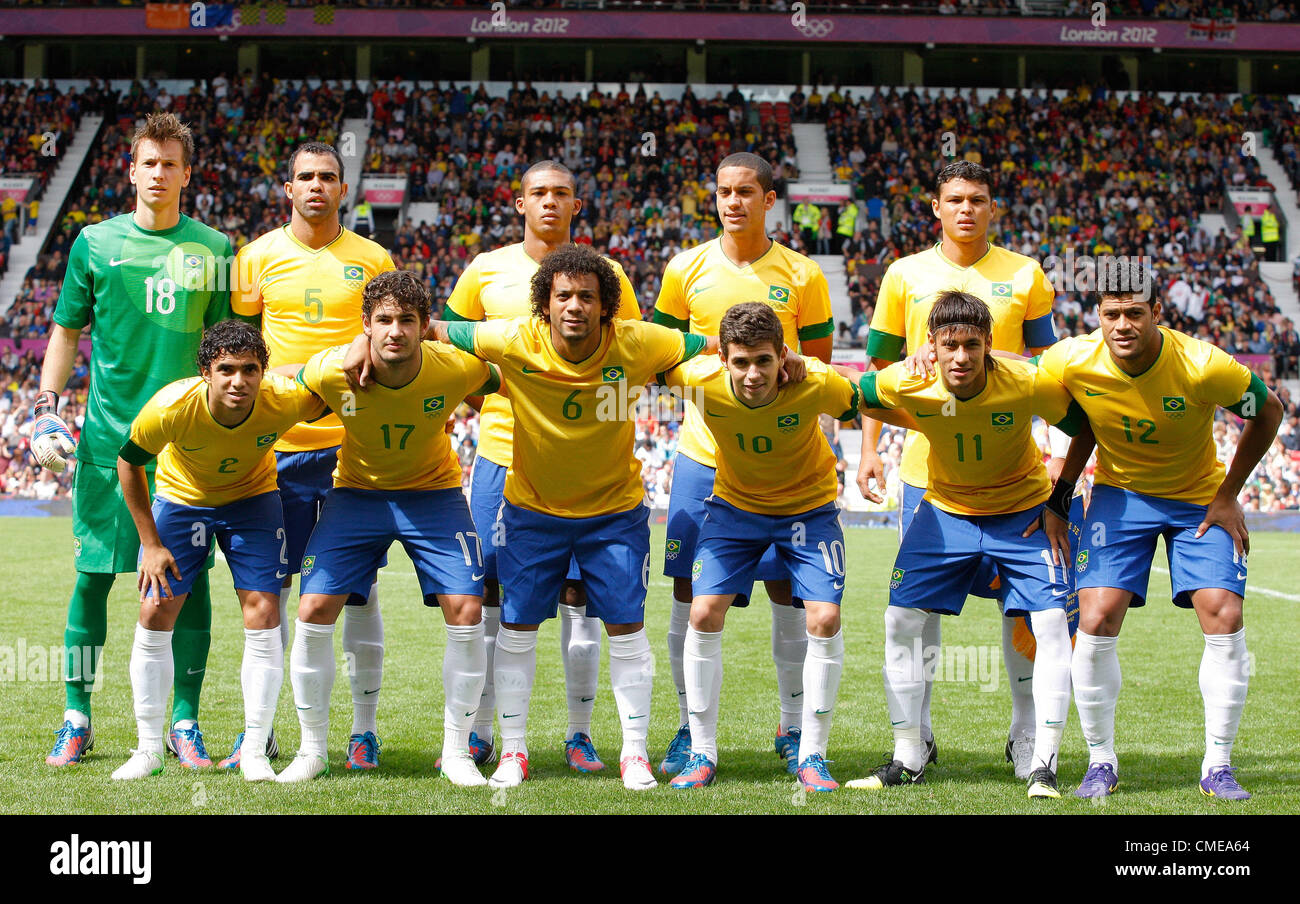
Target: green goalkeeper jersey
{"type": "Point", "coordinates": [148, 297]}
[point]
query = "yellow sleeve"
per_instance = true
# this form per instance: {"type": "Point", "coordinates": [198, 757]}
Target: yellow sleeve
{"type": "Point", "coordinates": [664, 347]}
{"type": "Point", "coordinates": [309, 405]}
{"type": "Point", "coordinates": [671, 308]}
{"type": "Point", "coordinates": [1041, 296]}
{"type": "Point", "coordinates": [149, 430]}
{"type": "Point", "coordinates": [490, 340]}
{"type": "Point", "coordinates": [464, 302]}
{"type": "Point", "coordinates": [689, 373]}
{"type": "Point", "coordinates": [480, 377]}
{"type": "Point", "coordinates": [628, 307]}
{"type": "Point", "coordinates": [888, 333]}
{"type": "Point", "coordinates": [879, 388]}
{"type": "Point", "coordinates": [1223, 379]}
{"type": "Point", "coordinates": [840, 397]}
{"type": "Point", "coordinates": [1052, 402]}
{"type": "Point", "coordinates": [387, 263]}
{"type": "Point", "coordinates": [814, 319]}
{"type": "Point", "coordinates": [246, 288]}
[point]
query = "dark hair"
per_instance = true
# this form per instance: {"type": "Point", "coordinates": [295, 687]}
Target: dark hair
{"type": "Point", "coordinates": [965, 170]}
{"type": "Point", "coordinates": [960, 310]}
{"type": "Point", "coordinates": [401, 288]}
{"type": "Point", "coordinates": [576, 260]}
{"type": "Point", "coordinates": [750, 323]}
{"type": "Point", "coordinates": [1119, 277]}
{"type": "Point", "coordinates": [315, 147]}
{"type": "Point", "coordinates": [762, 169]}
{"type": "Point", "coordinates": [161, 128]}
{"type": "Point", "coordinates": [231, 337]}
{"type": "Point", "coordinates": [543, 166]}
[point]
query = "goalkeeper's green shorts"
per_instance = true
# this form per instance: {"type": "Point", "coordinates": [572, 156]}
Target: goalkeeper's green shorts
{"type": "Point", "coordinates": [104, 539]}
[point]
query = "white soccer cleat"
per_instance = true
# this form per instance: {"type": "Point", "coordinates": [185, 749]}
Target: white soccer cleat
{"type": "Point", "coordinates": [459, 769]}
{"type": "Point", "coordinates": [511, 772]}
{"type": "Point", "coordinates": [1020, 753]}
{"type": "Point", "coordinates": [141, 765]}
{"type": "Point", "coordinates": [304, 768]}
{"type": "Point", "coordinates": [636, 773]}
{"type": "Point", "coordinates": [257, 768]}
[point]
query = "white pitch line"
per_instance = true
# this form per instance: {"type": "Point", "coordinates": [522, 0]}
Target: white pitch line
{"type": "Point", "coordinates": [1250, 588]}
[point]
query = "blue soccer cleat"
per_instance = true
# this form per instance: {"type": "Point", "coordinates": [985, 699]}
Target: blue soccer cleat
{"type": "Point", "coordinates": [815, 776]}
{"type": "Point", "coordinates": [699, 772]}
{"type": "Point", "coordinates": [363, 751]}
{"type": "Point", "coordinates": [787, 748]}
{"type": "Point", "coordinates": [678, 753]}
{"type": "Point", "coordinates": [232, 761]}
{"type": "Point", "coordinates": [1221, 783]}
{"type": "Point", "coordinates": [482, 750]}
{"type": "Point", "coordinates": [581, 754]}
{"type": "Point", "coordinates": [186, 744]}
{"type": "Point", "coordinates": [70, 745]}
{"type": "Point", "coordinates": [1098, 782]}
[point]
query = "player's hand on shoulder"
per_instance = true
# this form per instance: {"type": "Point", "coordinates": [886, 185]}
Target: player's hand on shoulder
{"type": "Point", "coordinates": [921, 362]}
{"type": "Point", "coordinates": [356, 363]}
{"type": "Point", "coordinates": [155, 563]}
{"type": "Point", "coordinates": [793, 368]}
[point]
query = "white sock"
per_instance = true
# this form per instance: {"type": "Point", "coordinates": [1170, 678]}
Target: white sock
{"type": "Point", "coordinates": [515, 667]}
{"type": "Point", "coordinates": [821, 680]}
{"type": "Point", "coordinates": [679, 619]}
{"type": "Point", "coordinates": [487, 701]}
{"type": "Point", "coordinates": [931, 643]}
{"type": "Point", "coordinates": [1225, 676]}
{"type": "Point", "coordinates": [311, 672]}
{"type": "Point", "coordinates": [1097, 682]}
{"type": "Point", "coordinates": [260, 676]}
{"type": "Point", "coordinates": [77, 718]}
{"type": "Point", "coordinates": [702, 662]}
{"type": "Point", "coordinates": [152, 672]}
{"type": "Point", "coordinates": [789, 647]}
{"type": "Point", "coordinates": [905, 682]}
{"type": "Point", "coordinates": [1020, 677]}
{"type": "Point", "coordinates": [580, 650]}
{"type": "Point", "coordinates": [463, 667]}
{"type": "Point", "coordinates": [1051, 695]}
{"type": "Point", "coordinates": [363, 646]}
{"type": "Point", "coordinates": [631, 675]}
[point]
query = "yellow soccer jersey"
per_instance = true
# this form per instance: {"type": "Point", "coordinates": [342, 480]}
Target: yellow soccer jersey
{"type": "Point", "coordinates": [1154, 431]}
{"type": "Point", "coordinates": [203, 463]}
{"type": "Point", "coordinates": [773, 460]}
{"type": "Point", "coordinates": [394, 439]}
{"type": "Point", "coordinates": [575, 423]}
{"type": "Point", "coordinates": [1014, 287]}
{"type": "Point", "coordinates": [982, 456]}
{"type": "Point", "coordinates": [309, 301]}
{"type": "Point", "coordinates": [701, 284]}
{"type": "Point", "coordinates": [495, 285]}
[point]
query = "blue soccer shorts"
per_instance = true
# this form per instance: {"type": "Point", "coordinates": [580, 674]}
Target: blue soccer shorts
{"type": "Point", "coordinates": [486, 492]}
{"type": "Point", "coordinates": [305, 478]}
{"type": "Point", "coordinates": [249, 531]}
{"type": "Point", "coordinates": [985, 583]}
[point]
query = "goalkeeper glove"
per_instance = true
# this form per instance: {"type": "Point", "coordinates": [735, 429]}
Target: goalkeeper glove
{"type": "Point", "coordinates": [52, 441]}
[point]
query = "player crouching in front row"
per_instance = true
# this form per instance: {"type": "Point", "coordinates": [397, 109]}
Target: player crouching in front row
{"type": "Point", "coordinates": [398, 478]}
{"type": "Point", "coordinates": [987, 480]}
{"type": "Point", "coordinates": [213, 436]}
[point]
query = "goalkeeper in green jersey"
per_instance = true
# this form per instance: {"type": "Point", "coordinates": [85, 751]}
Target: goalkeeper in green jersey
{"type": "Point", "coordinates": [147, 283]}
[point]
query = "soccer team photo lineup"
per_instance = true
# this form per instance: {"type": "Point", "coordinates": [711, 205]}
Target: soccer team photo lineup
{"type": "Point", "coordinates": [654, 362]}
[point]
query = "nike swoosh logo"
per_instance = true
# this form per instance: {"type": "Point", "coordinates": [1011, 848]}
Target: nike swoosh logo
{"type": "Point", "coordinates": [713, 413]}
{"type": "Point", "coordinates": [931, 414]}
{"type": "Point", "coordinates": [642, 716]}
{"type": "Point", "coordinates": [917, 298]}
{"type": "Point", "coordinates": [1030, 678]}
{"type": "Point", "coordinates": [280, 575]}
{"type": "Point", "coordinates": [304, 707]}
{"type": "Point", "coordinates": [800, 694]}
{"type": "Point", "coordinates": [699, 289]}
{"type": "Point", "coordinates": [1059, 592]}
{"type": "Point", "coordinates": [1050, 722]}
{"type": "Point", "coordinates": [375, 691]}
{"type": "Point", "coordinates": [195, 671]}
{"type": "Point", "coordinates": [1089, 392]}
{"type": "Point", "coordinates": [899, 722]}
{"type": "Point", "coordinates": [838, 585]}
{"type": "Point", "coordinates": [508, 715]}
{"type": "Point", "coordinates": [528, 370]}
{"type": "Point", "coordinates": [195, 449]}
{"type": "Point", "coordinates": [821, 712]}
{"type": "Point", "coordinates": [587, 699]}
{"type": "Point", "coordinates": [477, 577]}
{"type": "Point", "coordinates": [114, 262]}
{"type": "Point", "coordinates": [471, 712]}
{"type": "Point", "coordinates": [1240, 576]}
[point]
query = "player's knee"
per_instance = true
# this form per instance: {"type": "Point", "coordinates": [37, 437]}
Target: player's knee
{"type": "Point", "coordinates": [315, 609]}
{"type": "Point", "coordinates": [261, 611]}
{"type": "Point", "coordinates": [823, 621]}
{"type": "Point", "coordinates": [461, 609]}
{"type": "Point", "coordinates": [1220, 611]}
{"type": "Point", "coordinates": [708, 613]}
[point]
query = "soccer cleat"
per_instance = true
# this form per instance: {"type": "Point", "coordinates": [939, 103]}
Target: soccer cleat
{"type": "Point", "coordinates": [889, 775]}
{"type": "Point", "coordinates": [141, 765]}
{"type": "Point", "coordinates": [256, 768]}
{"type": "Point", "coordinates": [1042, 783]}
{"type": "Point", "coordinates": [931, 752]}
{"type": "Point", "coordinates": [1020, 753]}
{"type": "Point", "coordinates": [698, 772]}
{"type": "Point", "coordinates": [459, 769]}
{"type": "Point", "coordinates": [678, 753]}
{"type": "Point", "coordinates": [186, 744]}
{"type": "Point", "coordinates": [363, 751]}
{"type": "Point", "coordinates": [482, 750]}
{"type": "Point", "coordinates": [1099, 781]}
{"type": "Point", "coordinates": [232, 761]}
{"type": "Point", "coordinates": [815, 776]}
{"type": "Point", "coordinates": [304, 768]}
{"type": "Point", "coordinates": [636, 773]}
{"type": "Point", "coordinates": [70, 745]}
{"type": "Point", "coordinates": [1221, 783]}
{"type": "Point", "coordinates": [581, 754]}
{"type": "Point", "coordinates": [511, 772]}
{"type": "Point", "coordinates": [787, 748]}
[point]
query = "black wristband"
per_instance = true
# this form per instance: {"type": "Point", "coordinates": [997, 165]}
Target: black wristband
{"type": "Point", "coordinates": [47, 402]}
{"type": "Point", "coordinates": [1058, 502]}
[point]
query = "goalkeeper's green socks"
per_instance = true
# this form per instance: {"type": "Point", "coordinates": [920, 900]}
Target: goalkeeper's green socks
{"type": "Point", "coordinates": [83, 637]}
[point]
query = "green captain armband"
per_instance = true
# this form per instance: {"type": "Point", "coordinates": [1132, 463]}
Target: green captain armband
{"type": "Point", "coordinates": [867, 386]}
{"type": "Point", "coordinates": [133, 454]}
{"type": "Point", "coordinates": [885, 345]}
{"type": "Point", "coordinates": [669, 320]}
{"type": "Point", "coordinates": [817, 330]}
{"type": "Point", "coordinates": [694, 344]}
{"type": "Point", "coordinates": [1252, 400]}
{"type": "Point", "coordinates": [449, 314]}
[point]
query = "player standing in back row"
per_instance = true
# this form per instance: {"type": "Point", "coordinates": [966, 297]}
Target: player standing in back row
{"type": "Point", "coordinates": [496, 284]}
{"type": "Point", "coordinates": [150, 281]}
{"type": "Point", "coordinates": [305, 280]}
{"type": "Point", "coordinates": [699, 286]}
{"type": "Point", "coordinates": [1020, 298]}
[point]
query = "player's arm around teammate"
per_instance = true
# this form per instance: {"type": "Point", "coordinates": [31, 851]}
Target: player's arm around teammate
{"type": "Point", "coordinates": [216, 481]}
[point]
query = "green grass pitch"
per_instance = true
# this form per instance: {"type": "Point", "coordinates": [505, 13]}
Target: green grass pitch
{"type": "Point", "coordinates": [1160, 734]}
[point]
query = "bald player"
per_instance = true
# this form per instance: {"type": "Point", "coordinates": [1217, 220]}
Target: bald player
{"type": "Point", "coordinates": [494, 286]}
{"type": "Point", "coordinates": [305, 279]}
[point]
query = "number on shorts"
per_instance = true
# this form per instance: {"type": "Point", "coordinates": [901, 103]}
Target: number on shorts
{"type": "Point", "coordinates": [833, 557]}
{"type": "Point", "coordinates": [464, 548]}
